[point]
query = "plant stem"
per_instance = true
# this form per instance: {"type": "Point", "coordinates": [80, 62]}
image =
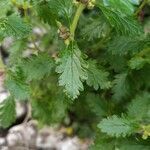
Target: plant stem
{"type": "Point", "coordinates": [76, 19]}
{"type": "Point", "coordinates": [141, 7]}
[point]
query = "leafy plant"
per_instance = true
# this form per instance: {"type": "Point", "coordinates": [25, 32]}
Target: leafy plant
{"type": "Point", "coordinates": [86, 61]}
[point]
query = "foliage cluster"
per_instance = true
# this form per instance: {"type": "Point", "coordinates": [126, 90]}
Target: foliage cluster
{"type": "Point", "coordinates": [89, 63]}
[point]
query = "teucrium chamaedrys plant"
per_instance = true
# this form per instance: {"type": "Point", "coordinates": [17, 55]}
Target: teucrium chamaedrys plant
{"type": "Point", "coordinates": [95, 51]}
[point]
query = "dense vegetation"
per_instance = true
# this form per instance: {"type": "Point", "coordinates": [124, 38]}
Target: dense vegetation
{"type": "Point", "coordinates": [88, 68]}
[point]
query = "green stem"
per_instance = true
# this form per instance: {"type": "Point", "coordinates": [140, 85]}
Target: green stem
{"type": "Point", "coordinates": [141, 7]}
{"type": "Point", "coordinates": [76, 19]}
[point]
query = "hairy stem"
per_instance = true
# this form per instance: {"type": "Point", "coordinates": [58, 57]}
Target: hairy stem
{"type": "Point", "coordinates": [76, 19]}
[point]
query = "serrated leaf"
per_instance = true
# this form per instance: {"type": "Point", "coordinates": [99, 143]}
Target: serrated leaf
{"type": "Point", "coordinates": [122, 45]}
{"type": "Point", "coordinates": [17, 86]}
{"type": "Point", "coordinates": [95, 29]}
{"type": "Point", "coordinates": [54, 111]}
{"type": "Point", "coordinates": [101, 142]}
{"type": "Point", "coordinates": [121, 88]}
{"type": "Point", "coordinates": [97, 105]}
{"type": "Point", "coordinates": [122, 6]}
{"type": "Point", "coordinates": [97, 77]}
{"type": "Point", "coordinates": [7, 112]}
{"type": "Point", "coordinates": [139, 108]}
{"type": "Point", "coordinates": [132, 145]}
{"type": "Point", "coordinates": [49, 103]}
{"type": "Point", "coordinates": [63, 8]}
{"type": "Point", "coordinates": [114, 60]}
{"type": "Point", "coordinates": [53, 10]}
{"type": "Point", "coordinates": [122, 23]}
{"type": "Point", "coordinates": [46, 14]}
{"type": "Point", "coordinates": [138, 62]}
{"type": "Point", "coordinates": [72, 70]}
{"type": "Point", "coordinates": [116, 126]}
{"type": "Point", "coordinates": [16, 51]}
{"type": "Point", "coordinates": [37, 67]}
{"type": "Point", "coordinates": [14, 26]}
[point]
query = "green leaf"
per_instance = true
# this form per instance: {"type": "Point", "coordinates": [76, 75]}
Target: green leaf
{"type": "Point", "coordinates": [37, 67]}
{"type": "Point", "coordinates": [16, 51]}
{"type": "Point", "coordinates": [135, 2]}
{"type": "Point", "coordinates": [101, 143]}
{"type": "Point", "coordinates": [124, 24]}
{"type": "Point", "coordinates": [122, 6]}
{"type": "Point", "coordinates": [132, 145]}
{"type": "Point", "coordinates": [122, 45]}
{"type": "Point", "coordinates": [95, 29]}
{"type": "Point", "coordinates": [46, 14]}
{"type": "Point", "coordinates": [49, 110]}
{"type": "Point", "coordinates": [97, 77]}
{"type": "Point", "coordinates": [7, 112]}
{"type": "Point", "coordinates": [72, 70]}
{"type": "Point", "coordinates": [5, 6]}
{"type": "Point", "coordinates": [116, 126]}
{"type": "Point", "coordinates": [98, 105]}
{"type": "Point", "coordinates": [63, 8]}
{"type": "Point", "coordinates": [121, 88]}
{"type": "Point", "coordinates": [138, 62]}
{"type": "Point", "coordinates": [53, 10]}
{"type": "Point", "coordinates": [14, 26]}
{"type": "Point", "coordinates": [139, 107]}
{"type": "Point", "coordinates": [49, 103]}
{"type": "Point", "coordinates": [114, 60]}
{"type": "Point", "coordinates": [102, 146]}
{"type": "Point", "coordinates": [17, 86]}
